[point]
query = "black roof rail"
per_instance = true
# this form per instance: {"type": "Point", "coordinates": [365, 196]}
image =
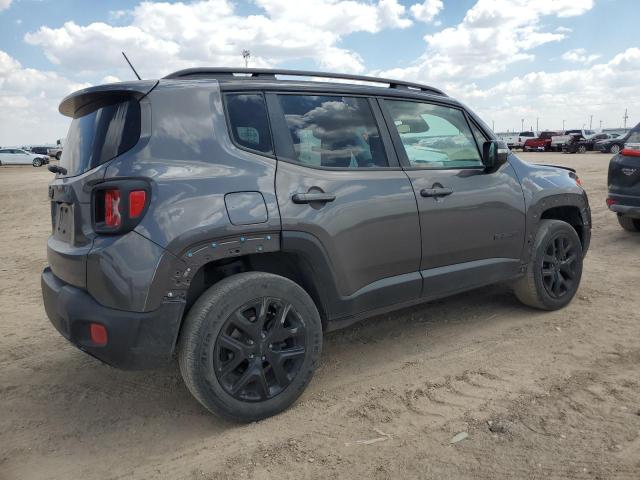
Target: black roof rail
{"type": "Point", "coordinates": [227, 72]}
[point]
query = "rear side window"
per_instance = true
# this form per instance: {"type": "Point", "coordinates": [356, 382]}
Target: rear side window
{"type": "Point", "coordinates": [333, 131]}
{"type": "Point", "coordinates": [249, 122]}
{"type": "Point", "coordinates": [434, 136]}
{"type": "Point", "coordinates": [100, 131]}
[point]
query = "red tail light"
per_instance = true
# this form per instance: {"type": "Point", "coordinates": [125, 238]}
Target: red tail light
{"type": "Point", "coordinates": [119, 205]}
{"type": "Point", "coordinates": [630, 152]}
{"type": "Point", "coordinates": [137, 200]}
{"type": "Point", "coordinates": [112, 217]}
{"type": "Point", "coordinates": [610, 201]}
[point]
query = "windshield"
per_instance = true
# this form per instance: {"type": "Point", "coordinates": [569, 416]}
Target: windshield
{"type": "Point", "coordinates": [99, 132]}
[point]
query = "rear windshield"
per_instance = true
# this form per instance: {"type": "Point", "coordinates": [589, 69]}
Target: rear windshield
{"type": "Point", "coordinates": [99, 132]}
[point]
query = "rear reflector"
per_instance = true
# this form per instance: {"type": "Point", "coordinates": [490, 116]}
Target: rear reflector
{"type": "Point", "coordinates": [137, 199]}
{"type": "Point", "coordinates": [610, 201]}
{"type": "Point", "coordinates": [98, 334]}
{"type": "Point", "coordinates": [112, 208]}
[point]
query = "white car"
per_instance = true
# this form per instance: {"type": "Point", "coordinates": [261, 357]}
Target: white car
{"type": "Point", "coordinates": [17, 156]}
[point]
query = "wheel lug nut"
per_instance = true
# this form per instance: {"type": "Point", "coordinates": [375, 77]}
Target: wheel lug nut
{"type": "Point", "coordinates": [251, 355]}
{"type": "Point", "coordinates": [271, 345]}
{"type": "Point", "coordinates": [264, 358]}
{"type": "Point", "coordinates": [263, 335]}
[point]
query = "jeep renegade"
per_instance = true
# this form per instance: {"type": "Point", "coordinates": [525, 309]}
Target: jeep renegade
{"type": "Point", "coordinates": [227, 217]}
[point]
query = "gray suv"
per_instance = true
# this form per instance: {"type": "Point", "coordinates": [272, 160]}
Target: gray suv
{"type": "Point", "coordinates": [229, 217]}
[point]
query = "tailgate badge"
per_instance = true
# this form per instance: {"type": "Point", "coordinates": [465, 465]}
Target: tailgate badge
{"type": "Point", "coordinates": [629, 171]}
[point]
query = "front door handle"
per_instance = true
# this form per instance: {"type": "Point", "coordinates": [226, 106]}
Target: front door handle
{"type": "Point", "coordinates": [312, 197]}
{"type": "Point", "coordinates": [435, 192]}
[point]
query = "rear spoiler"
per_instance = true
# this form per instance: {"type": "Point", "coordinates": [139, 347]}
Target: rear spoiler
{"type": "Point", "coordinates": [71, 103]}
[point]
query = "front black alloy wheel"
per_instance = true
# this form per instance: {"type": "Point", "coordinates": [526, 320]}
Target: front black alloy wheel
{"type": "Point", "coordinates": [559, 266]}
{"type": "Point", "coordinates": [260, 349]}
{"type": "Point", "coordinates": [554, 270]}
{"type": "Point", "coordinates": [249, 345]}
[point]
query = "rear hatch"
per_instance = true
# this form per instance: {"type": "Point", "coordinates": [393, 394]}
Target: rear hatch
{"type": "Point", "coordinates": [624, 175]}
{"type": "Point", "coordinates": [106, 122]}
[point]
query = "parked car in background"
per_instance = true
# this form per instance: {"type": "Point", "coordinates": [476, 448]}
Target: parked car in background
{"type": "Point", "coordinates": [624, 183]}
{"type": "Point", "coordinates": [522, 138]}
{"type": "Point", "coordinates": [558, 140]}
{"type": "Point", "coordinates": [38, 150]}
{"type": "Point", "coordinates": [56, 152]}
{"type": "Point", "coordinates": [173, 240]}
{"type": "Point", "coordinates": [576, 144]}
{"type": "Point", "coordinates": [18, 156]}
{"type": "Point", "coordinates": [614, 145]}
{"type": "Point", "coordinates": [540, 143]}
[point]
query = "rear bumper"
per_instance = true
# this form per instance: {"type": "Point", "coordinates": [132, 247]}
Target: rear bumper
{"type": "Point", "coordinates": [627, 205]}
{"type": "Point", "coordinates": [626, 210]}
{"type": "Point", "coordinates": [135, 340]}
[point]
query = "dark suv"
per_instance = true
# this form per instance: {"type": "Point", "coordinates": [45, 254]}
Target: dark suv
{"type": "Point", "coordinates": [228, 218]}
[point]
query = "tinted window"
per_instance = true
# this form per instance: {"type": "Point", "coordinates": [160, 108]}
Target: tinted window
{"type": "Point", "coordinates": [99, 132]}
{"type": "Point", "coordinates": [333, 131]}
{"type": "Point", "coordinates": [249, 121]}
{"type": "Point", "coordinates": [434, 136]}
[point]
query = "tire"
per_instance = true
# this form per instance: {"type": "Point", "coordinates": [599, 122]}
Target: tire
{"type": "Point", "coordinates": [582, 149]}
{"type": "Point", "coordinates": [230, 370]}
{"type": "Point", "coordinates": [614, 149]}
{"type": "Point", "coordinates": [37, 162]}
{"type": "Point", "coordinates": [545, 290]}
{"type": "Point", "coordinates": [629, 224]}
{"type": "Point", "coordinates": [58, 155]}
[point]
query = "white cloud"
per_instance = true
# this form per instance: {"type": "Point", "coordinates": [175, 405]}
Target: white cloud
{"type": "Point", "coordinates": [167, 36]}
{"type": "Point", "coordinates": [29, 101]}
{"type": "Point", "coordinates": [426, 11]}
{"type": "Point", "coordinates": [492, 35]}
{"type": "Point", "coordinates": [4, 4]}
{"type": "Point", "coordinates": [579, 55]}
{"type": "Point", "coordinates": [603, 90]}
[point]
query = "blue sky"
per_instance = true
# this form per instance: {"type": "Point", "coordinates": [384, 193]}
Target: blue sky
{"type": "Point", "coordinates": [507, 59]}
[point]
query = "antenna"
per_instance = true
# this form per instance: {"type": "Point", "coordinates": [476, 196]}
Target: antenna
{"type": "Point", "coordinates": [134, 70]}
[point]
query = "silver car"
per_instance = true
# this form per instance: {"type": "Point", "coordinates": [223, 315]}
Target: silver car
{"type": "Point", "coordinates": [17, 156]}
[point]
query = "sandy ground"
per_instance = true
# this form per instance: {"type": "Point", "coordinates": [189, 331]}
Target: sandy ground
{"type": "Point", "coordinates": [560, 389]}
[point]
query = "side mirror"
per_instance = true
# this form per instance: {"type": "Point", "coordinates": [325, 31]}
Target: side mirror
{"type": "Point", "coordinates": [494, 154]}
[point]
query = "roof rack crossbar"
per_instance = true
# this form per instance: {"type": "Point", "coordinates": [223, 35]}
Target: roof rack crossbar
{"type": "Point", "coordinates": [226, 72]}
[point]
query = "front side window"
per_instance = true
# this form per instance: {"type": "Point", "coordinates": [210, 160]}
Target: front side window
{"type": "Point", "coordinates": [249, 121]}
{"type": "Point", "coordinates": [434, 136]}
{"type": "Point", "coordinates": [333, 131]}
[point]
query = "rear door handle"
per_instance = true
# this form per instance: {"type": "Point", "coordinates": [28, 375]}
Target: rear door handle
{"type": "Point", "coordinates": [313, 197]}
{"type": "Point", "coordinates": [435, 192]}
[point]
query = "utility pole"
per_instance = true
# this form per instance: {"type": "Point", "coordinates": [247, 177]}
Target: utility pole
{"type": "Point", "coordinates": [563, 125]}
{"type": "Point", "coordinates": [537, 127]}
{"type": "Point", "coordinates": [600, 124]}
{"type": "Point", "coordinates": [625, 118]}
{"type": "Point", "coordinates": [522, 124]}
{"type": "Point", "coordinates": [246, 54]}
{"type": "Point", "coordinates": [590, 122]}
{"type": "Point", "coordinates": [493, 125]}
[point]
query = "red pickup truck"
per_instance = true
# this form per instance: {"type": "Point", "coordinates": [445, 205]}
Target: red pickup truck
{"type": "Point", "coordinates": [542, 142]}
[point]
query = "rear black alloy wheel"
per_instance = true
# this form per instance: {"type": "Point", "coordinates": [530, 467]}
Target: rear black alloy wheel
{"type": "Point", "coordinates": [582, 149]}
{"type": "Point", "coordinates": [249, 345]}
{"type": "Point", "coordinates": [559, 265]}
{"type": "Point", "coordinates": [260, 349]}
